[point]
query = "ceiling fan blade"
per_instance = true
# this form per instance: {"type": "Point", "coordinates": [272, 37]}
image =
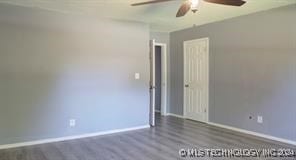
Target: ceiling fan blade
{"type": "Point", "coordinates": [185, 7]}
{"type": "Point", "coordinates": [150, 2]}
{"type": "Point", "coordinates": [228, 2]}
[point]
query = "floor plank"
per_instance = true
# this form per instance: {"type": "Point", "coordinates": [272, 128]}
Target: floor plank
{"type": "Point", "coordinates": [162, 142]}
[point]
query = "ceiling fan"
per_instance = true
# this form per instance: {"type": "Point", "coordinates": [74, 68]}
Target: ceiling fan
{"type": "Point", "coordinates": [192, 5]}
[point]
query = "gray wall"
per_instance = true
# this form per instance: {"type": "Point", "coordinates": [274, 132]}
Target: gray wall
{"type": "Point", "coordinates": [164, 37]}
{"type": "Point", "coordinates": [252, 71]}
{"type": "Point", "coordinates": [55, 67]}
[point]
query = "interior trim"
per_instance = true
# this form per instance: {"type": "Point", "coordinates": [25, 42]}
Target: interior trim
{"type": "Point", "coordinates": [261, 135]}
{"type": "Point", "coordinates": [51, 140]}
{"type": "Point", "coordinates": [174, 115]}
{"type": "Point", "coordinates": [269, 137]}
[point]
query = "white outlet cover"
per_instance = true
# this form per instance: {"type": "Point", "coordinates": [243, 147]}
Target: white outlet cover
{"type": "Point", "coordinates": [72, 122]}
{"type": "Point", "coordinates": [260, 119]}
{"type": "Point", "coordinates": [137, 75]}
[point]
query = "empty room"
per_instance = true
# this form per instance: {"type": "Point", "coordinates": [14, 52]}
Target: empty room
{"type": "Point", "coordinates": [147, 79]}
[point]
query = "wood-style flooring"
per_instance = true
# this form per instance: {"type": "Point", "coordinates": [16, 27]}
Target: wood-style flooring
{"type": "Point", "coordinates": [162, 142]}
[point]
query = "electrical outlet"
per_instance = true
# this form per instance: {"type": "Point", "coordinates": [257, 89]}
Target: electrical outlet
{"type": "Point", "coordinates": [260, 119]}
{"type": "Point", "coordinates": [72, 123]}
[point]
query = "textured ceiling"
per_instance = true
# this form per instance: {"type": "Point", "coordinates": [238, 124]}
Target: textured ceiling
{"type": "Point", "coordinates": [160, 16]}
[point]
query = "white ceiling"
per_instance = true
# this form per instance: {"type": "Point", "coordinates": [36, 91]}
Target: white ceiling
{"type": "Point", "coordinates": [160, 16]}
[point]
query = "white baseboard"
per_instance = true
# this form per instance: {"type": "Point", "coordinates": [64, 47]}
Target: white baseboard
{"type": "Point", "coordinates": [51, 140]}
{"type": "Point", "coordinates": [174, 115]}
{"type": "Point", "coordinates": [254, 133]}
{"type": "Point", "coordinates": [244, 131]}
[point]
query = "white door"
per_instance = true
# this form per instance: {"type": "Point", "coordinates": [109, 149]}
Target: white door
{"type": "Point", "coordinates": [152, 82]}
{"type": "Point", "coordinates": [196, 81]}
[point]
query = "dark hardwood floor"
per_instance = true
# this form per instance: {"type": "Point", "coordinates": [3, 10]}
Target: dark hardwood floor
{"type": "Point", "coordinates": [162, 142]}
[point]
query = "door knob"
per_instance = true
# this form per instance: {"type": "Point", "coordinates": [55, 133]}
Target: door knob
{"type": "Point", "coordinates": [152, 87]}
{"type": "Point", "coordinates": [186, 85]}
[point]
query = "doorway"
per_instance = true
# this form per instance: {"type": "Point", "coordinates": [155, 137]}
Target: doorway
{"type": "Point", "coordinates": [196, 79]}
{"type": "Point", "coordinates": [158, 80]}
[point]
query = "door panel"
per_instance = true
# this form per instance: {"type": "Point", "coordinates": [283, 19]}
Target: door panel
{"type": "Point", "coordinates": [196, 79]}
{"type": "Point", "coordinates": [152, 83]}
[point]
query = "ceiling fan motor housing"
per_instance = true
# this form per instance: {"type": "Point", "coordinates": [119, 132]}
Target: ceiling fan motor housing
{"type": "Point", "coordinates": [194, 10]}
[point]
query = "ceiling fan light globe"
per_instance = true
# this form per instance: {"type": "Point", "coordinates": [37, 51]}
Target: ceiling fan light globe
{"type": "Point", "coordinates": [194, 5]}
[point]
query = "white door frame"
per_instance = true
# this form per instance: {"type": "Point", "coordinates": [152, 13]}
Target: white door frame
{"type": "Point", "coordinates": [164, 81]}
{"type": "Point", "coordinates": [207, 77]}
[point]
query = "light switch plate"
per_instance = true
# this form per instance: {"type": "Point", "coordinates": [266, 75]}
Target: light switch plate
{"type": "Point", "coordinates": [72, 122]}
{"type": "Point", "coordinates": [137, 75]}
